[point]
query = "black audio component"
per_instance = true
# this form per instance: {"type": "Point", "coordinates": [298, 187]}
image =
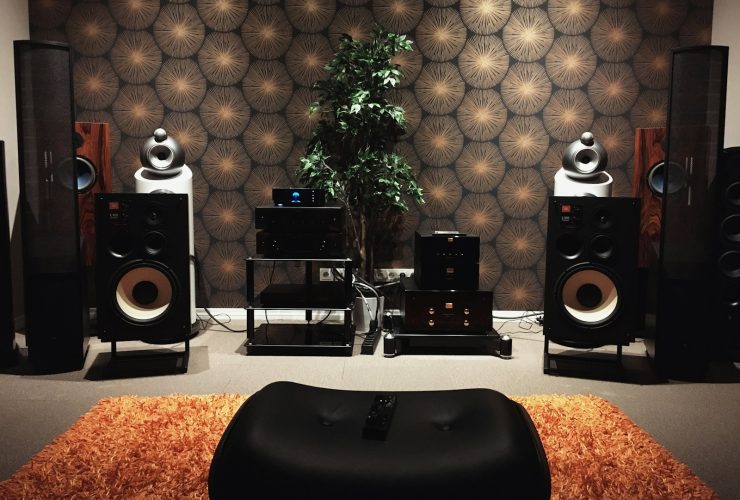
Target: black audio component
{"type": "Point", "coordinates": [681, 343]}
{"type": "Point", "coordinates": [56, 311]}
{"type": "Point", "coordinates": [8, 347]}
{"type": "Point", "coordinates": [445, 311]}
{"type": "Point", "coordinates": [300, 245]}
{"type": "Point", "coordinates": [299, 219]}
{"type": "Point", "coordinates": [298, 197]}
{"type": "Point", "coordinates": [591, 276]}
{"type": "Point", "coordinates": [314, 295]}
{"type": "Point", "coordinates": [142, 267]}
{"type": "Point", "coordinates": [446, 260]}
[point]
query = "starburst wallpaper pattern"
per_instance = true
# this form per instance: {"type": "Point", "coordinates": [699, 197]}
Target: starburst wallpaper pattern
{"type": "Point", "coordinates": [494, 91]}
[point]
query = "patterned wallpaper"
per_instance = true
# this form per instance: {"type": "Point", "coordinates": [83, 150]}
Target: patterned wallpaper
{"type": "Point", "coordinates": [494, 91]}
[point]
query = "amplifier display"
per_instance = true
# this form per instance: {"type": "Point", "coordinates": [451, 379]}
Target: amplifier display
{"type": "Point", "coordinates": [298, 197]}
{"type": "Point", "coordinates": [295, 245]}
{"type": "Point", "coordinates": [446, 260]}
{"type": "Point", "coordinates": [445, 311]}
{"type": "Point", "coordinates": [303, 219]}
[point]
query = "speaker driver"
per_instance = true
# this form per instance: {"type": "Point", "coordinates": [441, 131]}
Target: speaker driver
{"type": "Point", "coordinates": [732, 194]}
{"type": "Point", "coordinates": [731, 228]}
{"type": "Point", "coordinates": [144, 293]}
{"type": "Point", "coordinates": [676, 178]}
{"type": "Point", "coordinates": [729, 264]}
{"type": "Point", "coordinates": [83, 177]}
{"type": "Point", "coordinates": [589, 296]}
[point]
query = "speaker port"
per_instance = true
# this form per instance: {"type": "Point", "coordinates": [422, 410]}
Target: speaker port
{"type": "Point", "coordinates": [569, 246]}
{"type": "Point", "coordinates": [120, 244]}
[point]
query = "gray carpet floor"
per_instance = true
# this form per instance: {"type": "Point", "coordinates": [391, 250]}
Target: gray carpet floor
{"type": "Point", "coordinates": [696, 421]}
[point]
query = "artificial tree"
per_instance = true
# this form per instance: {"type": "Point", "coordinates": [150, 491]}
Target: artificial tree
{"type": "Point", "coordinates": [350, 154]}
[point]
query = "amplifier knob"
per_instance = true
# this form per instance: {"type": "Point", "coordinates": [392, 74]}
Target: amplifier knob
{"type": "Point", "coordinates": [466, 311]}
{"type": "Point", "coordinates": [466, 323]}
{"type": "Point", "coordinates": [431, 322]}
{"type": "Point", "coordinates": [431, 310]}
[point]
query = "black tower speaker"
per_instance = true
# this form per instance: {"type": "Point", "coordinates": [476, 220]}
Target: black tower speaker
{"type": "Point", "coordinates": [142, 271]}
{"type": "Point", "coordinates": [726, 299]}
{"type": "Point", "coordinates": [8, 346]}
{"type": "Point", "coordinates": [687, 274]}
{"type": "Point", "coordinates": [56, 312]}
{"type": "Point", "coordinates": [591, 271]}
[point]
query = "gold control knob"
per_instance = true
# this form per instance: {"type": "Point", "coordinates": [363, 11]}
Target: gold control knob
{"type": "Point", "coordinates": [431, 310]}
{"type": "Point", "coordinates": [466, 311]}
{"type": "Point", "coordinates": [466, 323]}
{"type": "Point", "coordinates": [431, 322]}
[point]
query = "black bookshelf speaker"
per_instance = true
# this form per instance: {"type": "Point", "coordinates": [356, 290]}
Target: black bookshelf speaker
{"type": "Point", "coordinates": [591, 271]}
{"type": "Point", "coordinates": [142, 271]}
{"type": "Point", "coordinates": [56, 312]}
{"type": "Point", "coordinates": [681, 342]}
{"type": "Point", "coordinates": [8, 348]}
{"type": "Point", "coordinates": [727, 288]}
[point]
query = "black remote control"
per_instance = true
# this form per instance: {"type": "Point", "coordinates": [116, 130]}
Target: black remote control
{"type": "Point", "coordinates": [379, 417]}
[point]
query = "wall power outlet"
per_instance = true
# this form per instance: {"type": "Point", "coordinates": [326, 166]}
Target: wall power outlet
{"type": "Point", "coordinates": [331, 273]}
{"type": "Point", "coordinates": [389, 275]}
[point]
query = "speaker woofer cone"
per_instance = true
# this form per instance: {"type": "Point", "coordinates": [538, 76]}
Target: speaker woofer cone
{"type": "Point", "coordinates": [144, 292]}
{"type": "Point", "coordinates": [589, 296]}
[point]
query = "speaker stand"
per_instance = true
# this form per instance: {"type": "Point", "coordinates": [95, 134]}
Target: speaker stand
{"type": "Point", "coordinates": [181, 358]}
{"type": "Point", "coordinates": [597, 365]}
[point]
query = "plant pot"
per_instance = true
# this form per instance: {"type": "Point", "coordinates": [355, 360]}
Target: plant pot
{"type": "Point", "coordinates": [361, 316]}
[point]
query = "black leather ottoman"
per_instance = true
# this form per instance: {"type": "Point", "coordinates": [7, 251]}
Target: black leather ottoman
{"type": "Point", "coordinates": [298, 441]}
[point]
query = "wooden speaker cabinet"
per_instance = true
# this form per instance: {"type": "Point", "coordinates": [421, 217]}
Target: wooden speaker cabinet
{"type": "Point", "coordinates": [92, 141]}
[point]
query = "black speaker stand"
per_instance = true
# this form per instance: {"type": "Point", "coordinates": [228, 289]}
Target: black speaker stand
{"type": "Point", "coordinates": [598, 365]}
{"type": "Point", "coordinates": [181, 357]}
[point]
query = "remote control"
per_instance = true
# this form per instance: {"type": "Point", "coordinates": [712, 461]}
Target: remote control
{"type": "Point", "coordinates": [379, 417]}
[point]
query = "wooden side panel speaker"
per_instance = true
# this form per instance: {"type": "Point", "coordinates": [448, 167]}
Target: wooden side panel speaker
{"type": "Point", "coordinates": [646, 185]}
{"type": "Point", "coordinates": [92, 142]}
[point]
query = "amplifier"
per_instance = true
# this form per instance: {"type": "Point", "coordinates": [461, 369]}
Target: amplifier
{"type": "Point", "coordinates": [298, 197]}
{"type": "Point", "coordinates": [446, 260]}
{"type": "Point", "coordinates": [300, 245]}
{"type": "Point", "coordinates": [302, 219]}
{"type": "Point", "coordinates": [316, 295]}
{"type": "Point", "coordinates": [445, 311]}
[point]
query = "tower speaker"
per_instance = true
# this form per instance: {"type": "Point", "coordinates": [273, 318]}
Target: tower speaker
{"type": "Point", "coordinates": [7, 326]}
{"type": "Point", "coordinates": [687, 262]}
{"type": "Point", "coordinates": [591, 271]}
{"type": "Point", "coordinates": [56, 312]}
{"type": "Point", "coordinates": [727, 287]}
{"type": "Point", "coordinates": [142, 270]}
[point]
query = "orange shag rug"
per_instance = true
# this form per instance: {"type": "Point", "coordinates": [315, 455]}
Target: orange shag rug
{"type": "Point", "coordinates": [161, 447]}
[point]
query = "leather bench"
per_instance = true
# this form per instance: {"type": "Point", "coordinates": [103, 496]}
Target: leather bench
{"type": "Point", "coordinates": [299, 441]}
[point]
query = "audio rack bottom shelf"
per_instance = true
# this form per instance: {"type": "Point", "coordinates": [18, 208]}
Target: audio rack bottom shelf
{"type": "Point", "coordinates": [299, 340]}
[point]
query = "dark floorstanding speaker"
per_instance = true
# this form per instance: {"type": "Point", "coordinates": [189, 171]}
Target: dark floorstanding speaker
{"type": "Point", "coordinates": [143, 267]}
{"type": "Point", "coordinates": [726, 299]}
{"type": "Point", "coordinates": [8, 348]}
{"type": "Point", "coordinates": [683, 334]}
{"type": "Point", "coordinates": [56, 313]}
{"type": "Point", "coordinates": [591, 276]}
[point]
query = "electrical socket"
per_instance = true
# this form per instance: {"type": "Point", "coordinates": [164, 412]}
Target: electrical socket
{"type": "Point", "coordinates": [388, 275]}
{"type": "Point", "coordinates": [331, 274]}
